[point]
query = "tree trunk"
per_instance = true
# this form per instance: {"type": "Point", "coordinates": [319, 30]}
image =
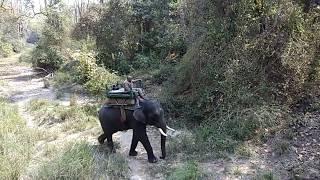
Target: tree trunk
{"type": "Point", "coordinates": [45, 4]}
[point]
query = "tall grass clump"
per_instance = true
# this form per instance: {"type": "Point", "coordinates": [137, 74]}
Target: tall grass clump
{"type": "Point", "coordinates": [82, 161]}
{"type": "Point", "coordinates": [16, 142]}
{"type": "Point", "coordinates": [73, 118]}
{"type": "Point", "coordinates": [117, 166]}
{"type": "Point", "coordinates": [6, 49]}
{"type": "Point", "coordinates": [75, 162]}
{"type": "Point", "coordinates": [188, 171]}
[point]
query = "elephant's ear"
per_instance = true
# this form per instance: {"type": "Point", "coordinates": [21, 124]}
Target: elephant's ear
{"type": "Point", "coordinates": [139, 116]}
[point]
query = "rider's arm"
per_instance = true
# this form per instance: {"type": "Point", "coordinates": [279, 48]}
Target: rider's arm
{"type": "Point", "coordinates": [126, 86]}
{"type": "Point", "coordinates": [136, 80]}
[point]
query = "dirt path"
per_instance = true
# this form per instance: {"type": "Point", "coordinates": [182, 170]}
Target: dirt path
{"type": "Point", "coordinates": [20, 84]}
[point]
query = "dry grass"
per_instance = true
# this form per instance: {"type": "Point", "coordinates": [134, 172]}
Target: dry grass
{"type": "Point", "coordinates": [73, 118]}
{"type": "Point", "coordinates": [81, 160]}
{"type": "Point", "coordinates": [74, 160]}
{"type": "Point", "coordinates": [243, 151]}
{"type": "Point", "coordinates": [16, 142]}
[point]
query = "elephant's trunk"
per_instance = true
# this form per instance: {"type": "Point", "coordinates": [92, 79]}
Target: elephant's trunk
{"type": "Point", "coordinates": [163, 143]}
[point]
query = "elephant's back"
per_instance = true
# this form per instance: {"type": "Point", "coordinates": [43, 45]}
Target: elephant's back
{"type": "Point", "coordinates": [107, 113]}
{"type": "Point", "coordinates": [110, 118]}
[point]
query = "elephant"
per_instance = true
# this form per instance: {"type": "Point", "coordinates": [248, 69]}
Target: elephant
{"type": "Point", "coordinates": [150, 112]}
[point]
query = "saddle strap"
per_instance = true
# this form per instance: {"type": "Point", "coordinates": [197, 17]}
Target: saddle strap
{"type": "Point", "coordinates": [123, 114]}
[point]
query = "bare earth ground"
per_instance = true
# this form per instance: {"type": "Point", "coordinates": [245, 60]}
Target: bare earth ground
{"type": "Point", "coordinates": [21, 84]}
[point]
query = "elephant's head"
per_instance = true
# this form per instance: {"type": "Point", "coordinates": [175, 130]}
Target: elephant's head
{"type": "Point", "coordinates": [152, 113]}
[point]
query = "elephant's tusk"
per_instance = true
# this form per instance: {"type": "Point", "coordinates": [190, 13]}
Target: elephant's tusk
{"type": "Point", "coordinates": [161, 131]}
{"type": "Point", "coordinates": [170, 128]}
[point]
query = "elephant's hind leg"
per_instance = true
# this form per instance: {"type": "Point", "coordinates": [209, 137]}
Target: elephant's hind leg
{"type": "Point", "coordinates": [101, 138]}
{"type": "Point", "coordinates": [110, 143]}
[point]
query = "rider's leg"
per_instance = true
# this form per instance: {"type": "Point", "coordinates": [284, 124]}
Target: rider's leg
{"type": "Point", "coordinates": [140, 93]}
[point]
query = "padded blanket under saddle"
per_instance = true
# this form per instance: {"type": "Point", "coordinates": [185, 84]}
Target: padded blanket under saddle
{"type": "Point", "coordinates": [120, 102]}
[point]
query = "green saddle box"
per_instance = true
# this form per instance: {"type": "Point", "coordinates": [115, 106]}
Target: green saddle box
{"type": "Point", "coordinates": [121, 95]}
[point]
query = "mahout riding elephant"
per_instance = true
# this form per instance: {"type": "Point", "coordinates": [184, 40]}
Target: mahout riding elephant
{"type": "Point", "coordinates": [150, 113]}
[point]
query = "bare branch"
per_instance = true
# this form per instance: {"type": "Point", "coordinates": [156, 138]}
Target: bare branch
{"type": "Point", "coordinates": [34, 13]}
{"type": "Point", "coordinates": [41, 69]}
{"type": "Point", "coordinates": [3, 6]}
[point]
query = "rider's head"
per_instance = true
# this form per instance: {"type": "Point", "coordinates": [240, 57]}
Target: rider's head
{"type": "Point", "coordinates": [129, 78]}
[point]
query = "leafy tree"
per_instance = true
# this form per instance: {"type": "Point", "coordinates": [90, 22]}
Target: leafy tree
{"type": "Point", "coordinates": [49, 53]}
{"type": "Point", "coordinates": [133, 35]}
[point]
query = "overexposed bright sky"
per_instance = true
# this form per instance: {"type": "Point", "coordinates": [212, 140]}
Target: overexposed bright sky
{"type": "Point", "coordinates": [38, 3]}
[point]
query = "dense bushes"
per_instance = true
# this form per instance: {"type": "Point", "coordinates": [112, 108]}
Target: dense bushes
{"type": "Point", "coordinates": [11, 34]}
{"type": "Point", "coordinates": [84, 70]}
{"type": "Point", "coordinates": [50, 58]}
{"type": "Point", "coordinates": [138, 37]}
{"type": "Point", "coordinates": [55, 51]}
{"type": "Point", "coordinates": [243, 71]}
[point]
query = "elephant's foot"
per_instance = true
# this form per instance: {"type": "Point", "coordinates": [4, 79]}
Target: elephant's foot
{"type": "Point", "coordinates": [113, 150]}
{"type": "Point", "coordinates": [101, 139]}
{"type": "Point", "coordinates": [111, 147]}
{"type": "Point", "coordinates": [152, 159]}
{"type": "Point", "coordinates": [162, 157]}
{"type": "Point", "coordinates": [133, 153]}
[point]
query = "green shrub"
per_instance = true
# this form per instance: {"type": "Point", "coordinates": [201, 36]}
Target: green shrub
{"type": "Point", "coordinates": [47, 57]}
{"type": "Point", "coordinates": [18, 45]}
{"type": "Point", "coordinates": [265, 176]}
{"type": "Point", "coordinates": [94, 78]}
{"type": "Point", "coordinates": [62, 78]}
{"type": "Point", "coordinates": [100, 80]}
{"type": "Point", "coordinates": [26, 57]}
{"type": "Point", "coordinates": [142, 62]}
{"type": "Point", "coordinates": [183, 143]}
{"type": "Point", "coordinates": [280, 147]}
{"type": "Point", "coordinates": [38, 105]}
{"type": "Point", "coordinates": [164, 73]}
{"type": "Point", "coordinates": [188, 171]}
{"type": "Point", "coordinates": [6, 49]}
{"type": "Point", "coordinates": [122, 66]}
{"type": "Point", "coordinates": [243, 151]}
{"type": "Point", "coordinates": [214, 140]}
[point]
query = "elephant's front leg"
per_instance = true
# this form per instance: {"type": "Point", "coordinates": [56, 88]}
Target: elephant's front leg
{"type": "Point", "coordinates": [134, 144]}
{"type": "Point", "coordinates": [141, 133]}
